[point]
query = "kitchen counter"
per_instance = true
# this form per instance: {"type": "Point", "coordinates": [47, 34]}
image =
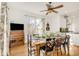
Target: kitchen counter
{"type": "Point", "coordinates": [74, 39]}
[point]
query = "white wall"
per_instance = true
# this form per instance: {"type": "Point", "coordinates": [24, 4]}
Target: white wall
{"type": "Point", "coordinates": [54, 22]}
{"type": "Point", "coordinates": [76, 23]}
{"type": "Point", "coordinates": [62, 21]}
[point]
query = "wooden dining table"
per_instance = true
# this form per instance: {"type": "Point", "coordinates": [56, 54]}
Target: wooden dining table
{"type": "Point", "coordinates": [38, 44]}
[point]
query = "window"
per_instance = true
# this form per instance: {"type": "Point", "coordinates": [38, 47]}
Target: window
{"type": "Point", "coordinates": [36, 25]}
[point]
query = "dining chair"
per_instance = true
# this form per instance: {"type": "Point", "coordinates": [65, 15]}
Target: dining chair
{"type": "Point", "coordinates": [58, 43]}
{"type": "Point", "coordinates": [48, 47]}
{"type": "Point", "coordinates": [66, 44]}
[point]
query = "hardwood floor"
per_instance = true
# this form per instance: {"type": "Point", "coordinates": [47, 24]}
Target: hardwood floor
{"type": "Point", "coordinates": [74, 50]}
{"type": "Point", "coordinates": [22, 51]}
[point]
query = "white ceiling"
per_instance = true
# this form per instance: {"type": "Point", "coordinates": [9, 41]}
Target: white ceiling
{"type": "Point", "coordinates": [36, 7]}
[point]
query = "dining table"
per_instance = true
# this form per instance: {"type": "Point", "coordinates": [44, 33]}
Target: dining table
{"type": "Point", "coordinates": [38, 45]}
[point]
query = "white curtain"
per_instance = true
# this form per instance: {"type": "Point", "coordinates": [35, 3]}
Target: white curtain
{"type": "Point", "coordinates": [34, 25]}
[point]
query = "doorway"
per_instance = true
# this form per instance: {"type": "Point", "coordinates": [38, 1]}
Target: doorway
{"type": "Point", "coordinates": [17, 45]}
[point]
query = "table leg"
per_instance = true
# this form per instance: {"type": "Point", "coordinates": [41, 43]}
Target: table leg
{"type": "Point", "coordinates": [38, 50]}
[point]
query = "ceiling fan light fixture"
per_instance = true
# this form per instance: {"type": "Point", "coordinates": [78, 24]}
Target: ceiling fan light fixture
{"type": "Point", "coordinates": [51, 8]}
{"type": "Point", "coordinates": [50, 2]}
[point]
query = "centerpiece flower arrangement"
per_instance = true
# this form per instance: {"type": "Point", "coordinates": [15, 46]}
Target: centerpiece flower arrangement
{"type": "Point", "coordinates": [47, 35]}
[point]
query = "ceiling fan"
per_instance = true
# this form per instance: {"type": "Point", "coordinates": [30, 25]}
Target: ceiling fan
{"type": "Point", "coordinates": [51, 9]}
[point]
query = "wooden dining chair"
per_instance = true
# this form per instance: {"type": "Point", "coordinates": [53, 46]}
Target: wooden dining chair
{"type": "Point", "coordinates": [58, 43]}
{"type": "Point", "coordinates": [48, 46]}
{"type": "Point", "coordinates": [66, 44]}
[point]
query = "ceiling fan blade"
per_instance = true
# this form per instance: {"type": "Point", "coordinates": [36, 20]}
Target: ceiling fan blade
{"type": "Point", "coordinates": [58, 7]}
{"type": "Point", "coordinates": [43, 10]}
{"type": "Point", "coordinates": [48, 12]}
{"type": "Point", "coordinates": [55, 11]}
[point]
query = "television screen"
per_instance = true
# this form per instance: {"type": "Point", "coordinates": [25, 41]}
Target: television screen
{"type": "Point", "coordinates": [14, 26]}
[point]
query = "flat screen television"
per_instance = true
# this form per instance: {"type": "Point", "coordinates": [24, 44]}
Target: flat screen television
{"type": "Point", "coordinates": [15, 26]}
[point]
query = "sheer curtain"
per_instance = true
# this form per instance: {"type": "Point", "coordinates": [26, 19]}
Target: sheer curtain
{"type": "Point", "coordinates": [34, 25]}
